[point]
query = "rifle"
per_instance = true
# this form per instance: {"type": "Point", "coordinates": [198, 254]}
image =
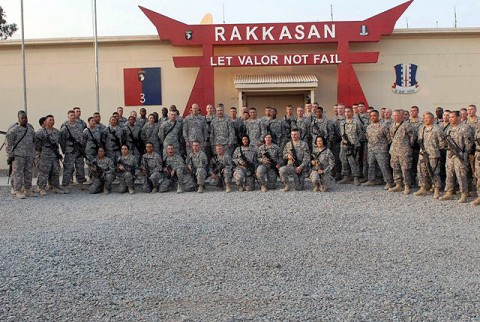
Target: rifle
{"type": "Point", "coordinates": [53, 147]}
{"type": "Point", "coordinates": [426, 156]}
{"type": "Point", "coordinates": [168, 172]}
{"type": "Point", "coordinates": [273, 164]}
{"type": "Point", "coordinates": [318, 165]}
{"type": "Point", "coordinates": [135, 141]}
{"type": "Point", "coordinates": [76, 145]}
{"type": "Point", "coordinates": [293, 152]}
{"type": "Point", "coordinates": [192, 169]}
{"type": "Point", "coordinates": [3, 133]}
{"type": "Point", "coordinates": [346, 141]}
{"type": "Point", "coordinates": [115, 140]}
{"type": "Point", "coordinates": [455, 149]}
{"type": "Point", "coordinates": [146, 170]}
{"type": "Point", "coordinates": [249, 165]}
{"type": "Point", "coordinates": [218, 168]}
{"type": "Point", "coordinates": [126, 167]}
{"type": "Point", "coordinates": [96, 169]}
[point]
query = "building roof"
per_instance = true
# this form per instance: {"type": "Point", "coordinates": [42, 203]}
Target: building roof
{"type": "Point", "coordinates": [275, 79]}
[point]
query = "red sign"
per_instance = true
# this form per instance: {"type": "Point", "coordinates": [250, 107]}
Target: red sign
{"type": "Point", "coordinates": [342, 33]}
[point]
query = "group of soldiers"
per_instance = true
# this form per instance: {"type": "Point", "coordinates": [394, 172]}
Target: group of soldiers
{"type": "Point", "coordinates": [398, 149]}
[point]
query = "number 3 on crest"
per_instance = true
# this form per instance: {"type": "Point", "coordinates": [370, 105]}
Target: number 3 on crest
{"type": "Point", "coordinates": [142, 98]}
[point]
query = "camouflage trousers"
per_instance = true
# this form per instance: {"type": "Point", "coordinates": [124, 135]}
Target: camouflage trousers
{"type": "Point", "coordinates": [298, 179]}
{"type": "Point", "coordinates": [183, 180]}
{"type": "Point", "coordinates": [126, 179]}
{"type": "Point", "coordinates": [477, 170]}
{"type": "Point", "coordinates": [325, 179]}
{"type": "Point", "coordinates": [267, 176]}
{"type": "Point", "coordinates": [153, 180]}
{"type": "Point", "coordinates": [200, 176]}
{"type": "Point", "coordinates": [22, 172]}
{"type": "Point", "coordinates": [401, 165]}
{"type": "Point", "coordinates": [73, 161]}
{"type": "Point", "coordinates": [113, 155]}
{"type": "Point", "coordinates": [227, 178]}
{"type": "Point", "coordinates": [422, 172]}
{"type": "Point", "coordinates": [102, 184]}
{"type": "Point", "coordinates": [243, 178]}
{"type": "Point", "coordinates": [456, 170]}
{"type": "Point", "coordinates": [48, 171]}
{"type": "Point", "coordinates": [350, 165]}
{"type": "Point", "coordinates": [379, 158]}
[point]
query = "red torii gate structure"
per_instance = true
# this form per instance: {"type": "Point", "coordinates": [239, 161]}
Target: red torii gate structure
{"type": "Point", "coordinates": [343, 33]}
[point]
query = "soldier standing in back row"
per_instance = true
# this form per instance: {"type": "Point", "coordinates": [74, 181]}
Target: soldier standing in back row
{"type": "Point", "coordinates": [222, 131]}
{"type": "Point", "coordinates": [170, 132]}
{"type": "Point", "coordinates": [195, 128]}
{"type": "Point", "coordinates": [350, 131]}
{"type": "Point", "coordinates": [112, 137]}
{"type": "Point", "coordinates": [476, 202]}
{"type": "Point", "coordinates": [21, 152]}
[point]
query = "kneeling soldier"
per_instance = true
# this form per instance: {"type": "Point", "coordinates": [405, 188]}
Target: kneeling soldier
{"type": "Point", "coordinates": [126, 165]}
{"type": "Point", "coordinates": [197, 163]}
{"type": "Point", "coordinates": [103, 173]}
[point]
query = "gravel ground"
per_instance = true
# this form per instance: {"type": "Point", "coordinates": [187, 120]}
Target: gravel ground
{"type": "Point", "coordinates": [348, 255]}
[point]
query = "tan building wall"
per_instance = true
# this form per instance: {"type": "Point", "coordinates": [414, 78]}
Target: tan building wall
{"type": "Point", "coordinates": [60, 72]}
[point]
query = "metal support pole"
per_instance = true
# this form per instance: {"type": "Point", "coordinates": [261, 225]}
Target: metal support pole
{"type": "Point", "coordinates": [23, 61]}
{"type": "Point", "coordinates": [97, 89]}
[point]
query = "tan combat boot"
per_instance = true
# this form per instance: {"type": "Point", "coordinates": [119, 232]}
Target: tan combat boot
{"type": "Point", "coordinates": [315, 187]}
{"type": "Point", "coordinates": [323, 188]}
{"type": "Point", "coordinates": [463, 197]}
{"type": "Point", "coordinates": [42, 192]}
{"type": "Point", "coordinates": [263, 188]}
{"type": "Point", "coordinates": [287, 187]}
{"type": "Point", "coordinates": [154, 189]}
{"type": "Point", "coordinates": [476, 202]}
{"type": "Point", "coordinates": [201, 189]}
{"type": "Point", "coordinates": [369, 183]}
{"type": "Point", "coordinates": [398, 187]}
{"type": "Point", "coordinates": [388, 186]}
{"type": "Point", "coordinates": [356, 181]}
{"type": "Point", "coordinates": [406, 190]}
{"type": "Point", "coordinates": [422, 192]}
{"type": "Point", "coordinates": [179, 188]}
{"type": "Point", "coordinates": [131, 190]}
{"type": "Point", "coordinates": [345, 180]}
{"type": "Point", "coordinates": [436, 193]}
{"type": "Point", "coordinates": [20, 195]}
{"type": "Point", "coordinates": [228, 189]}
{"type": "Point", "coordinates": [29, 193]}
{"type": "Point", "coordinates": [447, 196]}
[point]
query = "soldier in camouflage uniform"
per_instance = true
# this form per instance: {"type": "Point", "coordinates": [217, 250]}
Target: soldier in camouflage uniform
{"type": "Point", "coordinates": [320, 126]}
{"type": "Point", "coordinates": [142, 119]}
{"type": "Point", "coordinates": [174, 169]}
{"type": "Point", "coordinates": [72, 144]}
{"type": "Point", "coordinates": [472, 122]}
{"type": "Point", "coordinates": [197, 164]}
{"type": "Point", "coordinates": [222, 131]}
{"type": "Point", "coordinates": [288, 122]}
{"type": "Point", "coordinates": [126, 171]}
{"type": "Point", "coordinates": [47, 140]}
{"type": "Point", "coordinates": [170, 132]}
{"type": "Point", "coordinates": [476, 202]}
{"type": "Point", "coordinates": [78, 114]}
{"type": "Point", "coordinates": [387, 120]}
{"type": "Point", "coordinates": [416, 121]}
{"type": "Point", "coordinates": [402, 137]}
{"type": "Point", "coordinates": [122, 120]}
{"type": "Point", "coordinates": [208, 119]}
{"type": "Point", "coordinates": [103, 171]}
{"type": "Point", "coordinates": [302, 124]}
{"type": "Point", "coordinates": [377, 137]}
{"type": "Point", "coordinates": [245, 159]}
{"type": "Point", "coordinates": [97, 117]}
{"type": "Point", "coordinates": [351, 132]}
{"type": "Point", "coordinates": [238, 126]}
{"type": "Point", "coordinates": [297, 154]}
{"type": "Point", "coordinates": [335, 148]}
{"type": "Point", "coordinates": [132, 138]}
{"type": "Point", "coordinates": [323, 161]}
{"type": "Point", "coordinates": [112, 136]}
{"type": "Point", "coordinates": [92, 136]}
{"type": "Point", "coordinates": [429, 141]}
{"type": "Point", "coordinates": [195, 128]}
{"type": "Point", "coordinates": [363, 120]}
{"type": "Point", "coordinates": [152, 168]}
{"type": "Point", "coordinates": [270, 160]}
{"type": "Point", "coordinates": [150, 134]}
{"type": "Point", "coordinates": [221, 166]}
{"type": "Point", "coordinates": [459, 138]}
{"type": "Point", "coordinates": [254, 128]}
{"type": "Point", "coordinates": [20, 148]}
{"type": "Point", "coordinates": [273, 126]}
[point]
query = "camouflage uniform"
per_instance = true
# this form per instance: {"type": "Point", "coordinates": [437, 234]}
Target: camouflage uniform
{"type": "Point", "coordinates": [287, 125]}
{"type": "Point", "coordinates": [335, 147]}
{"type": "Point", "coordinates": [303, 158]}
{"type": "Point", "coordinates": [303, 125]}
{"type": "Point", "coordinates": [472, 180]}
{"type": "Point", "coordinates": [443, 153]}
{"type": "Point", "coordinates": [197, 164]}
{"type": "Point", "coordinates": [22, 156]}
{"type": "Point", "coordinates": [362, 158]}
{"type": "Point", "coordinates": [326, 161]}
{"type": "Point", "coordinates": [73, 159]}
{"type": "Point", "coordinates": [93, 141]}
{"type": "Point", "coordinates": [477, 158]}
{"type": "Point", "coordinates": [103, 182]}
{"type": "Point", "coordinates": [209, 149]}
{"type": "Point", "coordinates": [377, 137]}
{"type": "Point", "coordinates": [429, 140]}
{"type": "Point", "coordinates": [122, 121]}
{"type": "Point", "coordinates": [349, 160]}
{"type": "Point", "coordinates": [49, 166]}
{"type": "Point", "coordinates": [254, 132]}
{"type": "Point", "coordinates": [402, 137]}
{"type": "Point", "coordinates": [151, 164]}
{"type": "Point", "coordinates": [132, 138]}
{"type": "Point", "coordinates": [325, 128]}
{"type": "Point", "coordinates": [195, 128]}
{"type": "Point", "coordinates": [150, 134]}
{"type": "Point", "coordinates": [112, 137]}
{"type": "Point", "coordinates": [267, 171]}
{"type": "Point", "coordinates": [224, 165]}
{"type": "Point", "coordinates": [173, 136]}
{"type": "Point", "coordinates": [222, 132]}
{"type": "Point", "coordinates": [245, 176]}
{"type": "Point", "coordinates": [274, 128]}
{"type": "Point", "coordinates": [178, 166]}
{"type": "Point", "coordinates": [461, 135]}
{"type": "Point", "coordinates": [140, 122]}
{"type": "Point", "coordinates": [240, 130]}
{"type": "Point", "coordinates": [126, 176]}
{"type": "Point", "coordinates": [416, 124]}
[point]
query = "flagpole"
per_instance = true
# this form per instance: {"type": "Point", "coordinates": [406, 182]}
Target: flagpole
{"type": "Point", "coordinates": [97, 90]}
{"type": "Point", "coordinates": [23, 60]}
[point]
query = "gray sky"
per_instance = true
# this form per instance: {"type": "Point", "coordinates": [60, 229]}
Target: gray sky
{"type": "Point", "coordinates": [73, 18]}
